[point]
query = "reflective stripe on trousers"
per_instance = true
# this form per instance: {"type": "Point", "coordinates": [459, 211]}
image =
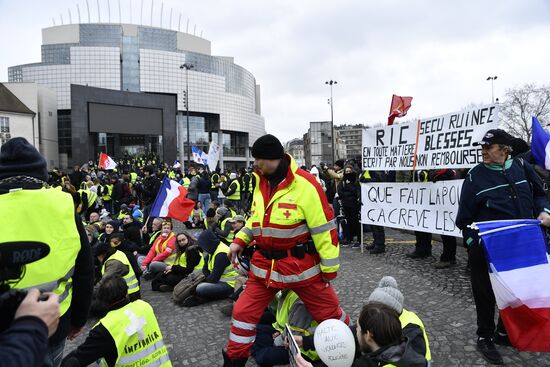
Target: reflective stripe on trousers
{"type": "Point", "coordinates": [293, 278]}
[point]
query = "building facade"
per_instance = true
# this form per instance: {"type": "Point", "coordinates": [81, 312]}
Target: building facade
{"type": "Point", "coordinates": [318, 143]}
{"type": "Point", "coordinates": [295, 148]}
{"type": "Point", "coordinates": [349, 141]}
{"type": "Point", "coordinates": [29, 110]}
{"type": "Point", "coordinates": [222, 97]}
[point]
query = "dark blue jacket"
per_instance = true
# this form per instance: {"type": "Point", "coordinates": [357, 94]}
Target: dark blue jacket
{"type": "Point", "coordinates": [24, 343]}
{"type": "Point", "coordinates": [488, 195]}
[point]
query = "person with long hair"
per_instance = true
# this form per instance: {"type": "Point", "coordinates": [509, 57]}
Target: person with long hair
{"type": "Point", "coordinates": [185, 259]}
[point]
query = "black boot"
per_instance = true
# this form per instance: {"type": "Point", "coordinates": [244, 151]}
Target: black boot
{"type": "Point", "coordinates": [233, 363]}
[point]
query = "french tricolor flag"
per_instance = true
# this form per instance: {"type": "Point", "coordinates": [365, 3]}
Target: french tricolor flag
{"type": "Point", "coordinates": [539, 144]}
{"type": "Point", "coordinates": [520, 276]}
{"type": "Point", "coordinates": [172, 202]}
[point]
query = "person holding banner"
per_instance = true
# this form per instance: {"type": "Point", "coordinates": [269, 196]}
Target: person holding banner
{"type": "Point", "coordinates": [500, 188]}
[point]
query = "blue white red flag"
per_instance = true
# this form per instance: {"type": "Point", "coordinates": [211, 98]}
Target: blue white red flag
{"type": "Point", "coordinates": [172, 202]}
{"type": "Point", "coordinates": [540, 147]}
{"type": "Point", "coordinates": [199, 156]}
{"type": "Point", "coordinates": [519, 270]}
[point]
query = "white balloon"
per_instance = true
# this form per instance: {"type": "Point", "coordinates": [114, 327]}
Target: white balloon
{"type": "Point", "coordinates": [334, 343]}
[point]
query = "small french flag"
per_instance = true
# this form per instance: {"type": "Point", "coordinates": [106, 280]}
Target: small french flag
{"type": "Point", "coordinates": [106, 162]}
{"type": "Point", "coordinates": [172, 202]}
{"type": "Point", "coordinates": [540, 149]}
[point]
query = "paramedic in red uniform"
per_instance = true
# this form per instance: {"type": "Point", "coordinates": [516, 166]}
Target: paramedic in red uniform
{"type": "Point", "coordinates": [293, 228]}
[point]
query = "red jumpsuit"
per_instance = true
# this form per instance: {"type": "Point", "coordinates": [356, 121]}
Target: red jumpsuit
{"type": "Point", "coordinates": [295, 212]}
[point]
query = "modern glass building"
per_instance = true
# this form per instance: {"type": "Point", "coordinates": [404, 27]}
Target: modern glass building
{"type": "Point", "coordinates": [141, 61]}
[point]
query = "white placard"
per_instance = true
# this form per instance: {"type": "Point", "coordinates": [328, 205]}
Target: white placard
{"type": "Point", "coordinates": [417, 206]}
{"type": "Point", "coordinates": [437, 142]}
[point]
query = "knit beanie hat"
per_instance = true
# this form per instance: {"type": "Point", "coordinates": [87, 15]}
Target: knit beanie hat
{"type": "Point", "coordinates": [388, 294]}
{"type": "Point", "coordinates": [268, 147]}
{"type": "Point", "coordinates": [19, 158]}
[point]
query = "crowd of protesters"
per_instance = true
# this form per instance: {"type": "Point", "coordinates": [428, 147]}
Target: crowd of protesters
{"type": "Point", "coordinates": [113, 208]}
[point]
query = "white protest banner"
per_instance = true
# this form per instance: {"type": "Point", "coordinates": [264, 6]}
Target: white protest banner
{"type": "Point", "coordinates": [418, 206]}
{"type": "Point", "coordinates": [436, 142]}
{"type": "Point", "coordinates": [213, 156]}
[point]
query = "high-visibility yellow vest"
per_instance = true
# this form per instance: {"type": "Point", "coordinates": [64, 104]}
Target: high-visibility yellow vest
{"type": "Point", "coordinates": [295, 212]}
{"type": "Point", "coordinates": [52, 220]}
{"type": "Point", "coordinates": [282, 316]}
{"type": "Point", "coordinates": [137, 336]}
{"type": "Point", "coordinates": [229, 274]}
{"type": "Point", "coordinates": [409, 317]}
{"type": "Point", "coordinates": [182, 261]}
{"type": "Point", "coordinates": [250, 182]}
{"type": "Point", "coordinates": [133, 177]}
{"type": "Point", "coordinates": [231, 234]}
{"type": "Point", "coordinates": [237, 194]}
{"type": "Point", "coordinates": [92, 197]}
{"type": "Point", "coordinates": [186, 182]}
{"type": "Point", "coordinates": [213, 186]}
{"type": "Point", "coordinates": [171, 175]}
{"type": "Point", "coordinates": [366, 175]}
{"type": "Point", "coordinates": [130, 277]}
{"type": "Point", "coordinates": [107, 191]}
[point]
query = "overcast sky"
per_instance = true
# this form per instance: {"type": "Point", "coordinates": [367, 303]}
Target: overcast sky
{"type": "Point", "coordinates": [438, 52]}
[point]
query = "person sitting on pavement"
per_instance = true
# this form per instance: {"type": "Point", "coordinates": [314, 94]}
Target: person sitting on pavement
{"type": "Point", "coordinates": [183, 261]}
{"type": "Point", "coordinates": [124, 336]}
{"type": "Point", "coordinates": [269, 347]}
{"type": "Point", "coordinates": [110, 228]}
{"type": "Point", "coordinates": [94, 218]}
{"type": "Point", "coordinates": [229, 205]}
{"type": "Point", "coordinates": [210, 219]}
{"type": "Point", "coordinates": [389, 294]}
{"type": "Point", "coordinates": [223, 229]}
{"type": "Point", "coordinates": [220, 273]}
{"type": "Point", "coordinates": [380, 340]}
{"type": "Point", "coordinates": [120, 243]}
{"type": "Point", "coordinates": [149, 236]}
{"type": "Point", "coordinates": [113, 263]}
{"type": "Point", "coordinates": [162, 248]}
{"type": "Point", "coordinates": [132, 230]}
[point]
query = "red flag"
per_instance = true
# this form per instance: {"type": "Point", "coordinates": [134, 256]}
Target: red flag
{"type": "Point", "coordinates": [106, 162]}
{"type": "Point", "coordinates": [399, 107]}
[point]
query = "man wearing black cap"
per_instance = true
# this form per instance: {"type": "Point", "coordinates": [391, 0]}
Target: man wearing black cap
{"type": "Point", "coordinates": [293, 228]}
{"type": "Point", "coordinates": [499, 188]}
{"type": "Point", "coordinates": [67, 270]}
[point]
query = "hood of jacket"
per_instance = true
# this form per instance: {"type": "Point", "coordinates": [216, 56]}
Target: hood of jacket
{"type": "Point", "coordinates": [208, 241]}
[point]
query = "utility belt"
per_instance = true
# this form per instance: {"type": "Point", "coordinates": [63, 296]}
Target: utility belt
{"type": "Point", "coordinates": [299, 251]}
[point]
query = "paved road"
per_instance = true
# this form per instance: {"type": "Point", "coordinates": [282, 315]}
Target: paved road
{"type": "Point", "coordinates": [442, 298]}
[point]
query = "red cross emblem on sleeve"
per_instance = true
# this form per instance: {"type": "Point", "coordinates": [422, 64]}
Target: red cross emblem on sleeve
{"type": "Point", "coordinates": [286, 214]}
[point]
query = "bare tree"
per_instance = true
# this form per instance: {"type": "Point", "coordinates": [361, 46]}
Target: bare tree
{"type": "Point", "coordinates": [520, 105]}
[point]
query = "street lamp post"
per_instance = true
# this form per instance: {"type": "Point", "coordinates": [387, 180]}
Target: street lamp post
{"type": "Point", "coordinates": [492, 79]}
{"type": "Point", "coordinates": [331, 83]}
{"type": "Point", "coordinates": [187, 66]}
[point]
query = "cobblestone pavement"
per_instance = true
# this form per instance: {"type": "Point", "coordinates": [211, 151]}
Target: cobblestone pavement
{"type": "Point", "coordinates": [442, 298]}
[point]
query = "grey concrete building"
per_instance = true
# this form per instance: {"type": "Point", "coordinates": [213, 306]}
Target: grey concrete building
{"type": "Point", "coordinates": [318, 143]}
{"type": "Point", "coordinates": [349, 141]}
